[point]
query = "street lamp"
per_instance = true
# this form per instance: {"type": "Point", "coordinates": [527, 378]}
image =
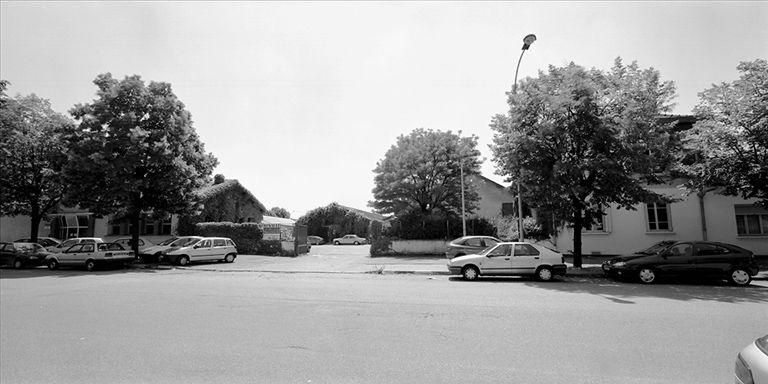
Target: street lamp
{"type": "Point", "coordinates": [527, 41]}
{"type": "Point", "coordinates": [461, 169]}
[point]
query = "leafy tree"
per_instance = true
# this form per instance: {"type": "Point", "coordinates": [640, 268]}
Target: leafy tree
{"type": "Point", "coordinates": [728, 145]}
{"type": "Point", "coordinates": [334, 220]}
{"type": "Point", "coordinates": [580, 140]}
{"type": "Point", "coordinates": [31, 157]}
{"type": "Point", "coordinates": [279, 212]}
{"type": "Point", "coordinates": [135, 151]}
{"type": "Point", "coordinates": [422, 173]}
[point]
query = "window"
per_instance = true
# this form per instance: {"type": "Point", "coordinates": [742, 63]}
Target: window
{"type": "Point", "coordinates": [149, 228]}
{"type": "Point", "coordinates": [501, 250]}
{"type": "Point", "coordinates": [205, 244]}
{"type": "Point", "coordinates": [751, 220]}
{"type": "Point", "coordinates": [658, 217]}
{"type": "Point", "coordinates": [704, 249]}
{"type": "Point", "coordinates": [166, 228]}
{"type": "Point", "coordinates": [599, 224]}
{"type": "Point", "coordinates": [114, 229]}
{"type": "Point", "coordinates": [682, 249]}
{"type": "Point", "coordinates": [219, 242]}
{"type": "Point", "coordinates": [474, 242]}
{"type": "Point", "coordinates": [525, 250]}
{"type": "Point", "coordinates": [87, 247]}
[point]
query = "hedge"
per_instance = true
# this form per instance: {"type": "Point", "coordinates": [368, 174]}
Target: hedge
{"type": "Point", "coordinates": [247, 236]}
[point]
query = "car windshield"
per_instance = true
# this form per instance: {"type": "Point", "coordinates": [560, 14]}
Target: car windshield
{"type": "Point", "coordinates": [169, 241]}
{"type": "Point", "coordinates": [655, 248]}
{"type": "Point", "coordinates": [184, 242]}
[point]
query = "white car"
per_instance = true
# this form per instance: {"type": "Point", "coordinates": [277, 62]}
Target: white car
{"type": "Point", "coordinates": [154, 253]}
{"type": "Point", "coordinates": [126, 243]}
{"type": "Point", "coordinates": [511, 259]}
{"type": "Point", "coordinates": [752, 363]}
{"type": "Point", "coordinates": [204, 249]}
{"type": "Point", "coordinates": [90, 255]}
{"type": "Point", "coordinates": [349, 239]}
{"type": "Point", "coordinates": [75, 240]}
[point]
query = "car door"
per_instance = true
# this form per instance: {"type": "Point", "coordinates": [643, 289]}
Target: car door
{"type": "Point", "coordinates": [71, 255]}
{"type": "Point", "coordinates": [219, 249]}
{"type": "Point", "coordinates": [677, 260]}
{"type": "Point", "coordinates": [525, 259]}
{"type": "Point", "coordinates": [201, 250]}
{"type": "Point", "coordinates": [711, 259]}
{"type": "Point", "coordinates": [497, 261]}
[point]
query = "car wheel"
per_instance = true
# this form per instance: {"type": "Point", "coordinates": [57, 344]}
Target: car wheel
{"type": "Point", "coordinates": [739, 277]}
{"type": "Point", "coordinates": [53, 264]}
{"type": "Point", "coordinates": [90, 265]}
{"type": "Point", "coordinates": [229, 258]}
{"type": "Point", "coordinates": [544, 274]}
{"type": "Point", "coordinates": [646, 275]}
{"type": "Point", "coordinates": [357, 243]}
{"type": "Point", "coordinates": [184, 260]}
{"type": "Point", "coordinates": [336, 243]}
{"type": "Point", "coordinates": [140, 259]}
{"type": "Point", "coordinates": [17, 264]}
{"type": "Point", "coordinates": [470, 273]}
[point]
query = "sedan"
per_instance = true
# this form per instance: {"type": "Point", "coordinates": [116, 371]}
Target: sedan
{"type": "Point", "coordinates": [687, 259]}
{"type": "Point", "coordinates": [315, 240]}
{"type": "Point", "coordinates": [90, 255]}
{"type": "Point", "coordinates": [20, 255]}
{"type": "Point", "coordinates": [468, 245]}
{"type": "Point", "coordinates": [752, 363]}
{"type": "Point", "coordinates": [44, 241]}
{"type": "Point", "coordinates": [510, 259]}
{"type": "Point", "coordinates": [349, 239]}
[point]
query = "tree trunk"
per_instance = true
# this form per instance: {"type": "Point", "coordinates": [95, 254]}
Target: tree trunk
{"type": "Point", "coordinates": [135, 216]}
{"type": "Point", "coordinates": [577, 225]}
{"type": "Point", "coordinates": [35, 217]}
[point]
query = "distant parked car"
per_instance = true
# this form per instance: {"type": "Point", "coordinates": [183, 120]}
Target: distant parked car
{"type": "Point", "coordinates": [315, 240]}
{"type": "Point", "coordinates": [204, 249]}
{"type": "Point", "coordinates": [516, 259]}
{"type": "Point", "coordinates": [687, 259]}
{"type": "Point", "coordinates": [349, 239]}
{"type": "Point", "coordinates": [20, 255]}
{"type": "Point", "coordinates": [752, 363]}
{"type": "Point", "coordinates": [90, 256]}
{"type": "Point", "coordinates": [126, 243]}
{"type": "Point", "coordinates": [468, 245]}
{"type": "Point", "coordinates": [44, 241]}
{"type": "Point", "coordinates": [75, 240]}
{"type": "Point", "coordinates": [154, 253]}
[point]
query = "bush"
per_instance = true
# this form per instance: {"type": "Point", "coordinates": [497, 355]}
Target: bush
{"type": "Point", "coordinates": [415, 226]}
{"type": "Point", "coordinates": [246, 236]}
{"type": "Point", "coordinates": [270, 248]}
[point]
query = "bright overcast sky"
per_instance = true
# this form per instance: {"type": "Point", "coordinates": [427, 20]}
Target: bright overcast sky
{"type": "Point", "coordinates": [299, 100]}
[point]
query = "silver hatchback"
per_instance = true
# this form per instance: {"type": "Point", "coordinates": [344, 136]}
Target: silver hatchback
{"type": "Point", "coordinates": [469, 245]}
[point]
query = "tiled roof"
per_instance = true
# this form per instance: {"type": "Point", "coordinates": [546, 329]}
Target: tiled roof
{"type": "Point", "coordinates": [209, 191]}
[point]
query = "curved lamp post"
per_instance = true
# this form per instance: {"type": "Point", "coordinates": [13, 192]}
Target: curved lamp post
{"type": "Point", "coordinates": [527, 41]}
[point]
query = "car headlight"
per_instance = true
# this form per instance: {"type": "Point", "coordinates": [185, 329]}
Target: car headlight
{"type": "Point", "coordinates": [619, 264]}
{"type": "Point", "coordinates": [742, 371]}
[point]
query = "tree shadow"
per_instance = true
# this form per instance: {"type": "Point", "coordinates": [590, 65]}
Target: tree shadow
{"type": "Point", "coordinates": [624, 292]}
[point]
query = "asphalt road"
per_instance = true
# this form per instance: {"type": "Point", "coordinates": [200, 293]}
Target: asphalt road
{"type": "Point", "coordinates": [188, 326]}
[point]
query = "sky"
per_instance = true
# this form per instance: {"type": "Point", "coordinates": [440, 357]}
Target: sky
{"type": "Point", "coordinates": [300, 100]}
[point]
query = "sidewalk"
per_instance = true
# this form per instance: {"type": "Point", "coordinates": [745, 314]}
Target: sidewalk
{"type": "Point", "coordinates": [358, 265]}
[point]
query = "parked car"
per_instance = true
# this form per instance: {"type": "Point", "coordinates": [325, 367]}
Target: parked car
{"type": "Point", "coordinates": [469, 245]}
{"type": "Point", "coordinates": [204, 249]}
{"type": "Point", "coordinates": [655, 248]}
{"type": "Point", "coordinates": [514, 258]}
{"type": "Point", "coordinates": [75, 240]}
{"type": "Point", "coordinates": [20, 255]}
{"type": "Point", "coordinates": [154, 253]}
{"type": "Point", "coordinates": [126, 243]}
{"type": "Point", "coordinates": [752, 363]}
{"type": "Point", "coordinates": [687, 259]}
{"type": "Point", "coordinates": [349, 239]}
{"type": "Point", "coordinates": [90, 255]}
{"type": "Point", "coordinates": [44, 241]}
{"type": "Point", "coordinates": [315, 240]}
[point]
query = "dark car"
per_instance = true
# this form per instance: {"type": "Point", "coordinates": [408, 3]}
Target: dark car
{"type": "Point", "coordinates": [44, 241]}
{"type": "Point", "coordinates": [469, 245]}
{"type": "Point", "coordinates": [20, 255]}
{"type": "Point", "coordinates": [687, 259]}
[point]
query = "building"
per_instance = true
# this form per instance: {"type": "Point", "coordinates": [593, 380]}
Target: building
{"type": "Point", "coordinates": [495, 200]}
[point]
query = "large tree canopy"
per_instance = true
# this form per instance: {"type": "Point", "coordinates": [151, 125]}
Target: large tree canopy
{"type": "Point", "coordinates": [421, 173]}
{"type": "Point", "coordinates": [581, 139]}
{"type": "Point", "coordinates": [31, 157]}
{"type": "Point", "coordinates": [135, 151]}
{"type": "Point", "coordinates": [728, 145]}
{"type": "Point", "coordinates": [279, 212]}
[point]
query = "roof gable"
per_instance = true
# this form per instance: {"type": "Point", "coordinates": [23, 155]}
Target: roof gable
{"type": "Point", "coordinates": [209, 191]}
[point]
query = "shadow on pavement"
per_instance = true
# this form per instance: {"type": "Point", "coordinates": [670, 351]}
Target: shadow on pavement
{"type": "Point", "coordinates": [27, 273]}
{"type": "Point", "coordinates": [624, 292]}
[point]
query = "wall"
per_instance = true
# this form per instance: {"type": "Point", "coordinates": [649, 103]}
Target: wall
{"type": "Point", "coordinates": [416, 247]}
{"type": "Point", "coordinates": [17, 227]}
{"type": "Point", "coordinates": [626, 231]}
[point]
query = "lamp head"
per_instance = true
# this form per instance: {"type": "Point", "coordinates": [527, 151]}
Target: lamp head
{"type": "Point", "coordinates": [528, 40]}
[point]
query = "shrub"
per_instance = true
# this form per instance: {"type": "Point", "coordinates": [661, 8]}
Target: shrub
{"type": "Point", "coordinates": [246, 236]}
{"type": "Point", "coordinates": [270, 248]}
{"type": "Point", "coordinates": [415, 226]}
